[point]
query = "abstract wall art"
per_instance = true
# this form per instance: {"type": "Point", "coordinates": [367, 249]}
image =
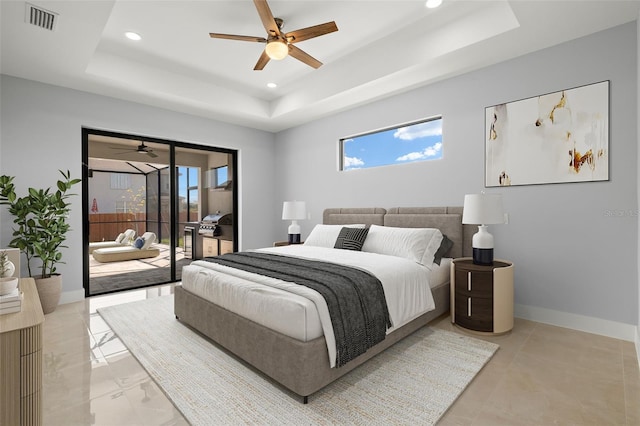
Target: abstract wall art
{"type": "Point", "coordinates": [554, 138]}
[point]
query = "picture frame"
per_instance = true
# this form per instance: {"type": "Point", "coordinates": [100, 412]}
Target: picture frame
{"type": "Point", "coordinates": [559, 137]}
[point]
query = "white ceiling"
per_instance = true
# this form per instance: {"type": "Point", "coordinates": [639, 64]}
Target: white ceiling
{"type": "Point", "coordinates": [381, 48]}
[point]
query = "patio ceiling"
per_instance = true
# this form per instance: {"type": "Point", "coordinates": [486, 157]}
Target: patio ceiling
{"type": "Point", "coordinates": [123, 166]}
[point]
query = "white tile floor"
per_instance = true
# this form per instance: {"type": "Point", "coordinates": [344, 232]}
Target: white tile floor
{"type": "Point", "coordinates": [90, 378]}
{"type": "Point", "coordinates": [541, 375]}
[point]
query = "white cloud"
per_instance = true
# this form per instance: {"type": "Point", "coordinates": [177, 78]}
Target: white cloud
{"type": "Point", "coordinates": [352, 162]}
{"type": "Point", "coordinates": [430, 151]}
{"type": "Point", "coordinates": [422, 130]}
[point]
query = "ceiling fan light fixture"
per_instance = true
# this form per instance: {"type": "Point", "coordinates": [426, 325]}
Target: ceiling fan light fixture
{"type": "Point", "coordinates": [277, 50]}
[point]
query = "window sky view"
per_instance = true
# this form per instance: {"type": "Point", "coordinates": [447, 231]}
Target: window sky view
{"type": "Point", "coordinates": [416, 142]}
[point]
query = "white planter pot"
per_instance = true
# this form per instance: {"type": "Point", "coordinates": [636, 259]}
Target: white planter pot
{"type": "Point", "coordinates": [10, 268]}
{"type": "Point", "coordinates": [7, 285]}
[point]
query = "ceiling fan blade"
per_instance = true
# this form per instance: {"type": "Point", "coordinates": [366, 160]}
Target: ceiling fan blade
{"type": "Point", "coordinates": [311, 32]}
{"type": "Point", "coordinates": [151, 154]}
{"type": "Point", "coordinates": [268, 21]}
{"type": "Point", "coordinates": [262, 61]}
{"type": "Point", "coordinates": [238, 37]}
{"type": "Point", "coordinates": [301, 55]}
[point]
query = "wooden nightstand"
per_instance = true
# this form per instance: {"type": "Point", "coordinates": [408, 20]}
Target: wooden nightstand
{"type": "Point", "coordinates": [283, 243]}
{"type": "Point", "coordinates": [482, 296]}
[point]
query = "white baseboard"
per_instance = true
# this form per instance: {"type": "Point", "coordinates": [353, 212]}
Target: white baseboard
{"type": "Point", "coordinates": [617, 330]}
{"type": "Point", "coordinates": [71, 296]}
{"type": "Point", "coordinates": [638, 344]}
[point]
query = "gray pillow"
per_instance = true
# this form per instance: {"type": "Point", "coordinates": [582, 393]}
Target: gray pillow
{"type": "Point", "coordinates": [443, 250]}
{"type": "Point", "coordinates": [351, 238]}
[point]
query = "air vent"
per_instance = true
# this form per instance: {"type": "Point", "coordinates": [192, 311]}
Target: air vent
{"type": "Point", "coordinates": [40, 17]}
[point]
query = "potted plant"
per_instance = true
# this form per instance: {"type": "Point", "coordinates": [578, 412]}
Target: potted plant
{"type": "Point", "coordinates": [41, 228]}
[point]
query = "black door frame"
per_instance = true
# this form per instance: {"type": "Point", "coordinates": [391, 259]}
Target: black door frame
{"type": "Point", "coordinates": [86, 131]}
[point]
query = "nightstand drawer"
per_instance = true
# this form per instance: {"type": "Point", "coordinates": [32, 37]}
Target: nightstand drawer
{"type": "Point", "coordinates": [478, 284]}
{"type": "Point", "coordinates": [474, 313]}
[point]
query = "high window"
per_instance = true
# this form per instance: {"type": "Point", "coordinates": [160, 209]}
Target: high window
{"type": "Point", "coordinates": [407, 143]}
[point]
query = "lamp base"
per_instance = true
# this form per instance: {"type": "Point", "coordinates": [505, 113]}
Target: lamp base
{"type": "Point", "coordinates": [483, 256]}
{"type": "Point", "coordinates": [294, 238]}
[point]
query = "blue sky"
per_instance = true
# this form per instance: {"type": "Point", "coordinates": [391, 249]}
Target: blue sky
{"type": "Point", "coordinates": [182, 179]}
{"type": "Point", "coordinates": [417, 142]}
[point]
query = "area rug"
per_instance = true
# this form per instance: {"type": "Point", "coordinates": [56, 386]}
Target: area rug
{"type": "Point", "coordinates": [413, 382]}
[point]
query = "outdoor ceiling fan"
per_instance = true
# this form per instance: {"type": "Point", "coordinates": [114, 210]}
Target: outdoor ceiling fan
{"type": "Point", "coordinates": [280, 44]}
{"type": "Point", "coordinates": [141, 149]}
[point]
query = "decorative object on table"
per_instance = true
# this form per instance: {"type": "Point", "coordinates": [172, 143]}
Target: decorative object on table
{"type": "Point", "coordinates": [7, 268]}
{"type": "Point", "coordinates": [294, 211]}
{"type": "Point", "coordinates": [8, 283]}
{"type": "Point", "coordinates": [482, 210]}
{"type": "Point", "coordinates": [10, 301]}
{"type": "Point", "coordinates": [553, 138]}
{"type": "Point", "coordinates": [41, 220]}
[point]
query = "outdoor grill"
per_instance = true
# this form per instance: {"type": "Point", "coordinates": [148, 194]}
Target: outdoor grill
{"type": "Point", "coordinates": [211, 225]}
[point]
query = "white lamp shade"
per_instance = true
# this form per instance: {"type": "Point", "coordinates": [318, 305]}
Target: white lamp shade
{"type": "Point", "coordinates": [482, 209]}
{"type": "Point", "coordinates": [277, 50]}
{"type": "Point", "coordinates": [294, 210]}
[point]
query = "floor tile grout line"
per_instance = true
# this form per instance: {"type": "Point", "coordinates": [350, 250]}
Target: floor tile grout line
{"type": "Point", "coordinates": [503, 376]}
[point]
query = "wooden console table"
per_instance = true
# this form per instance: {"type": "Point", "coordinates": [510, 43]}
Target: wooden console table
{"type": "Point", "coordinates": [21, 361]}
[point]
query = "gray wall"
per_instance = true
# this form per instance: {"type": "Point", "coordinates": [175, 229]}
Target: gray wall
{"type": "Point", "coordinates": [569, 254]}
{"type": "Point", "coordinates": [41, 133]}
{"type": "Point", "coordinates": [638, 181]}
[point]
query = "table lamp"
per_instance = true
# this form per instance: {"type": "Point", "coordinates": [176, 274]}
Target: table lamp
{"type": "Point", "coordinates": [294, 211]}
{"type": "Point", "coordinates": [482, 210]}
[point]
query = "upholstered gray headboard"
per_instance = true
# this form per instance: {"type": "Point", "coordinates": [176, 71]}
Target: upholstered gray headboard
{"type": "Point", "coordinates": [447, 219]}
{"type": "Point", "coordinates": [365, 215]}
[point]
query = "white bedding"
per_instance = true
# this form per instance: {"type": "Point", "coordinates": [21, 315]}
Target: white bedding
{"type": "Point", "coordinates": [302, 312]}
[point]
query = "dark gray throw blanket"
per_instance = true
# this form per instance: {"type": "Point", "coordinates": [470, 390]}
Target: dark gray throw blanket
{"type": "Point", "coordinates": [355, 298]}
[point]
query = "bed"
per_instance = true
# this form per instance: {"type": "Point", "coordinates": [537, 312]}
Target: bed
{"type": "Point", "coordinates": [300, 359]}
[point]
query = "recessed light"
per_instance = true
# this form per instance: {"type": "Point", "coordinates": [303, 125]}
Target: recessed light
{"type": "Point", "coordinates": [133, 36]}
{"type": "Point", "coordinates": [432, 4]}
{"type": "Point", "coordinates": [272, 85]}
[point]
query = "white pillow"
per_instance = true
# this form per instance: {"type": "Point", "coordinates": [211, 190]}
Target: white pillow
{"type": "Point", "coordinates": [119, 238]}
{"type": "Point", "coordinates": [417, 244]}
{"type": "Point", "coordinates": [149, 238]}
{"type": "Point", "coordinates": [326, 235]}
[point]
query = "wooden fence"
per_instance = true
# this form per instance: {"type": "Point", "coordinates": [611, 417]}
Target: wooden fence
{"type": "Point", "coordinates": [107, 226]}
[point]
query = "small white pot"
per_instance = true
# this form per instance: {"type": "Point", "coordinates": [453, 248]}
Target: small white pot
{"type": "Point", "coordinates": [9, 268]}
{"type": "Point", "coordinates": [7, 285]}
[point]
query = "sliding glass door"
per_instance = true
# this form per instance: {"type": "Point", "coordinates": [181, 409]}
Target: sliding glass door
{"type": "Point", "coordinates": [157, 191]}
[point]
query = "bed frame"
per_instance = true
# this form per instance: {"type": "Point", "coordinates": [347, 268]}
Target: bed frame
{"type": "Point", "coordinates": [303, 367]}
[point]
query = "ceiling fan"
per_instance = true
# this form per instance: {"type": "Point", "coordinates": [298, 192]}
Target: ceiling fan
{"type": "Point", "coordinates": [280, 44]}
{"type": "Point", "coordinates": [141, 149]}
